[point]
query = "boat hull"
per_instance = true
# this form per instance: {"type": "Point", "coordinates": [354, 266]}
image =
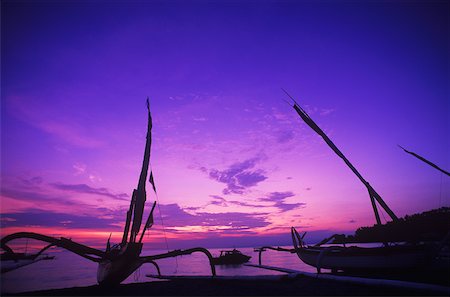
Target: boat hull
{"type": "Point", "coordinates": [366, 259]}
{"type": "Point", "coordinates": [232, 257]}
{"type": "Point", "coordinates": [114, 271]}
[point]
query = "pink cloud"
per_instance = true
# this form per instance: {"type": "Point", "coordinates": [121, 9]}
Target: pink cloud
{"type": "Point", "coordinates": [49, 119]}
{"type": "Point", "coordinates": [67, 132]}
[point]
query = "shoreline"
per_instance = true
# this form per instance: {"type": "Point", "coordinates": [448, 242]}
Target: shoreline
{"type": "Point", "coordinates": [284, 285]}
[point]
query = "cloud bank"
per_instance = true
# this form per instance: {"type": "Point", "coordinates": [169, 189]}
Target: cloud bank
{"type": "Point", "coordinates": [278, 200]}
{"type": "Point", "coordinates": [238, 177]}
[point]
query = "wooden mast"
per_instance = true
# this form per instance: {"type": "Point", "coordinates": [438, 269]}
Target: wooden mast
{"type": "Point", "coordinates": [139, 195]}
{"type": "Point", "coordinates": [374, 196]}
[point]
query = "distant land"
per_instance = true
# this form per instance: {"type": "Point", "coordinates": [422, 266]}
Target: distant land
{"type": "Point", "coordinates": [430, 225]}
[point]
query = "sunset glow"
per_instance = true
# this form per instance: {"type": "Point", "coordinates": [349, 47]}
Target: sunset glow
{"type": "Point", "coordinates": [233, 163]}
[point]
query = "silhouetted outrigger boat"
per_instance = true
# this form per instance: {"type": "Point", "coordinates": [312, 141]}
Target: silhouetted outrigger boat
{"type": "Point", "coordinates": [354, 259]}
{"type": "Point", "coordinates": [388, 257]}
{"type": "Point", "coordinates": [230, 258]}
{"type": "Point", "coordinates": [116, 263]}
{"type": "Point", "coordinates": [12, 261]}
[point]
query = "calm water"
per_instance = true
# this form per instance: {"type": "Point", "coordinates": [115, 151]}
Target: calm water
{"type": "Point", "coordinates": [70, 270]}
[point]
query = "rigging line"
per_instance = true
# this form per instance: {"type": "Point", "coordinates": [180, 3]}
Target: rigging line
{"type": "Point", "coordinates": [162, 221]}
{"type": "Point", "coordinates": [159, 210]}
{"type": "Point", "coordinates": [164, 230]}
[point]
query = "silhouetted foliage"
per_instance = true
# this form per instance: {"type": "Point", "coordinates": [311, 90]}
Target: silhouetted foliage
{"type": "Point", "coordinates": [426, 226]}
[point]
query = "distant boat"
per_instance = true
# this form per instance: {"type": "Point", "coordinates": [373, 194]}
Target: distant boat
{"type": "Point", "coordinates": [384, 258]}
{"type": "Point", "coordinates": [230, 257]}
{"type": "Point", "coordinates": [13, 261]}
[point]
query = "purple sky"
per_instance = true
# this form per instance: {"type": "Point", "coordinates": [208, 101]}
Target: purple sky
{"type": "Point", "coordinates": [233, 163]}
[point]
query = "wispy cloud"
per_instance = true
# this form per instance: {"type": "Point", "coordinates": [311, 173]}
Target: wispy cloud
{"type": "Point", "coordinates": [220, 201]}
{"type": "Point", "coordinates": [217, 200]}
{"type": "Point", "coordinates": [326, 111]}
{"type": "Point", "coordinates": [79, 168]}
{"type": "Point", "coordinates": [42, 218]}
{"type": "Point", "coordinates": [240, 203]}
{"type": "Point", "coordinates": [285, 136]}
{"type": "Point", "coordinates": [68, 132]}
{"type": "Point", "coordinates": [22, 194]}
{"type": "Point", "coordinates": [85, 189]}
{"type": "Point", "coordinates": [278, 198]}
{"type": "Point", "coordinates": [175, 216]}
{"type": "Point", "coordinates": [49, 119]}
{"type": "Point", "coordinates": [35, 180]}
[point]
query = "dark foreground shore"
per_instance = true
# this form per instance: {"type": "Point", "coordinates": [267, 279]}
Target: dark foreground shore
{"type": "Point", "coordinates": [284, 286]}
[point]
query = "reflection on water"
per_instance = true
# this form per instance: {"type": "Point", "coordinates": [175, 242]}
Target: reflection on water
{"type": "Point", "coordinates": [70, 270]}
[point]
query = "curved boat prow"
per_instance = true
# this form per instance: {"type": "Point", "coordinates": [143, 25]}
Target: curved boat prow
{"type": "Point", "coordinates": [297, 240]}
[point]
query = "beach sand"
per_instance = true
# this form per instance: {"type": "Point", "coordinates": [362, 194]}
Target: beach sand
{"type": "Point", "coordinates": [284, 286]}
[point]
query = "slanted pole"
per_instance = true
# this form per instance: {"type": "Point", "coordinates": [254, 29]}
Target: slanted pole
{"type": "Point", "coordinates": [426, 161]}
{"type": "Point", "coordinates": [372, 193]}
{"type": "Point", "coordinates": [374, 206]}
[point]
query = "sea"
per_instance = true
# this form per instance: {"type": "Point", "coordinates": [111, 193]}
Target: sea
{"type": "Point", "coordinates": [68, 270]}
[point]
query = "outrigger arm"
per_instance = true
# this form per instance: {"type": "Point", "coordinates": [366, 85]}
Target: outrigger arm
{"type": "Point", "coordinates": [176, 253]}
{"type": "Point", "coordinates": [82, 250]}
{"type": "Point", "coordinates": [96, 255]}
